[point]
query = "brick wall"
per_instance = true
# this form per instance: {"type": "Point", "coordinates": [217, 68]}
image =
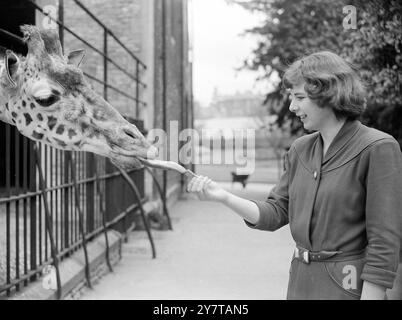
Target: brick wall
{"type": "Point", "coordinates": [123, 17]}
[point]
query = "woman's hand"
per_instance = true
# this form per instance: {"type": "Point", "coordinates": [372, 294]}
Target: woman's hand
{"type": "Point", "coordinates": [206, 189]}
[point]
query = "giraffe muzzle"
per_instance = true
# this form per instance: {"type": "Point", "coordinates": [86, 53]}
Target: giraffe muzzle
{"type": "Point", "coordinates": [137, 145]}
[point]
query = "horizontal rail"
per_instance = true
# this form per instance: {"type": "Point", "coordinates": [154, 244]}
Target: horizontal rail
{"type": "Point", "coordinates": [88, 44]}
{"type": "Point", "coordinates": [19, 39]}
{"type": "Point", "coordinates": [13, 36]}
{"type": "Point", "coordinates": [109, 32]}
{"type": "Point", "coordinates": [115, 89]}
{"type": "Point", "coordinates": [63, 186]}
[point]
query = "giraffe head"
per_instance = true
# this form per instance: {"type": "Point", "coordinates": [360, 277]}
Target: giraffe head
{"type": "Point", "coordinates": [47, 98]}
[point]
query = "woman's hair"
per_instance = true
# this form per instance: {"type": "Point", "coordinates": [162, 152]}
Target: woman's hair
{"type": "Point", "coordinates": [329, 81]}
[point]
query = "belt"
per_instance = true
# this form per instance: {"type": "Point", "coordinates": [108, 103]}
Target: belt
{"type": "Point", "coordinates": [306, 255]}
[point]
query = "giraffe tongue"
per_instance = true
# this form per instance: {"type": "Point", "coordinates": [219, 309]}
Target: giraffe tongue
{"type": "Point", "coordinates": [165, 165]}
{"type": "Point", "coordinates": [168, 165]}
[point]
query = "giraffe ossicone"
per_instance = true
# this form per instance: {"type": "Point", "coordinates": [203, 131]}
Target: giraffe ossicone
{"type": "Point", "coordinates": [47, 98]}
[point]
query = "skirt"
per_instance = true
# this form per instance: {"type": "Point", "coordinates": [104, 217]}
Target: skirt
{"type": "Point", "coordinates": [326, 280]}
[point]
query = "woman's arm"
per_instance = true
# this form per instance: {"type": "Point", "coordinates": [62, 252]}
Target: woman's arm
{"type": "Point", "coordinates": [206, 189]}
{"type": "Point", "coordinates": [383, 213]}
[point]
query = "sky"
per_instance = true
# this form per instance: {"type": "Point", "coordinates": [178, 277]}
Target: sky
{"type": "Point", "coordinates": [219, 48]}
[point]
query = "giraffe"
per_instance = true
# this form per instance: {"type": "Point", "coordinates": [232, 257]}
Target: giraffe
{"type": "Point", "coordinates": [47, 98]}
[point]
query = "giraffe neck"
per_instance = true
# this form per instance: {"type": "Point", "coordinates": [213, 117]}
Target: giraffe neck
{"type": "Point", "coordinates": [4, 114]}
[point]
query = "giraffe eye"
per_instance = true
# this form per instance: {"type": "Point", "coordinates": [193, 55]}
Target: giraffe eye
{"type": "Point", "coordinates": [47, 102]}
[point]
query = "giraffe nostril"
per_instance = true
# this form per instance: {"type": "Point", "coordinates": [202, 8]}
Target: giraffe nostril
{"type": "Point", "coordinates": [131, 134]}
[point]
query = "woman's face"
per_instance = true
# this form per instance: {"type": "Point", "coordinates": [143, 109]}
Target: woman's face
{"type": "Point", "coordinates": [310, 114]}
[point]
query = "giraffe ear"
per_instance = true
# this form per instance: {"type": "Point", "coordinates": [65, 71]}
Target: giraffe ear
{"type": "Point", "coordinates": [75, 57]}
{"type": "Point", "coordinates": [12, 63]}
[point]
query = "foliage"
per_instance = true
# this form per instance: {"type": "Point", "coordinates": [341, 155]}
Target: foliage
{"type": "Point", "coordinates": [375, 47]}
{"type": "Point", "coordinates": [295, 28]}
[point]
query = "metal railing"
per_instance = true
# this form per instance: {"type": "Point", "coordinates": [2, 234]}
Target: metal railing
{"type": "Point", "coordinates": [53, 202]}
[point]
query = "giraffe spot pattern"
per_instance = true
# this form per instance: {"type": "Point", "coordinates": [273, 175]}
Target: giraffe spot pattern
{"type": "Point", "coordinates": [14, 115]}
{"type": "Point", "coordinates": [39, 116]}
{"type": "Point", "coordinates": [98, 115]}
{"type": "Point", "coordinates": [28, 118]}
{"type": "Point", "coordinates": [37, 136]}
{"type": "Point", "coordinates": [32, 105]}
{"type": "Point", "coordinates": [60, 129]}
{"type": "Point", "coordinates": [24, 104]}
{"type": "Point", "coordinates": [7, 106]}
{"type": "Point", "coordinates": [51, 123]}
{"type": "Point", "coordinates": [84, 126]}
{"type": "Point", "coordinates": [71, 133]}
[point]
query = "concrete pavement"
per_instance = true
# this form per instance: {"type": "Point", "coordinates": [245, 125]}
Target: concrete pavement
{"type": "Point", "coordinates": [210, 254]}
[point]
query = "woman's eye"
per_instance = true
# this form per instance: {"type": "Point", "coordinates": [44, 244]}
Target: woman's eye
{"type": "Point", "coordinates": [47, 102]}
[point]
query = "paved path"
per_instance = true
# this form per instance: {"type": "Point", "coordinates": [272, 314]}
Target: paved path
{"type": "Point", "coordinates": [210, 254]}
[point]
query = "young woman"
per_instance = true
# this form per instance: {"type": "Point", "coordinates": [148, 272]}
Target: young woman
{"type": "Point", "coordinates": [340, 191]}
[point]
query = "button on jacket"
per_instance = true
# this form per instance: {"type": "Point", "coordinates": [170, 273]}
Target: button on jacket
{"type": "Point", "coordinates": [348, 200]}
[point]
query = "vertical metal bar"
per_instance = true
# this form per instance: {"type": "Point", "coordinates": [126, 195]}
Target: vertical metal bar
{"type": "Point", "coordinates": [137, 90]}
{"type": "Point", "coordinates": [17, 208]}
{"type": "Point", "coordinates": [163, 198]}
{"type": "Point", "coordinates": [8, 193]}
{"type": "Point", "coordinates": [105, 72]}
{"type": "Point", "coordinates": [56, 195]}
{"type": "Point", "coordinates": [74, 200]}
{"type": "Point", "coordinates": [24, 190]}
{"type": "Point", "coordinates": [103, 214]}
{"type": "Point", "coordinates": [65, 192]}
{"type": "Point", "coordinates": [66, 202]}
{"type": "Point", "coordinates": [32, 212]}
{"type": "Point", "coordinates": [46, 184]}
{"type": "Point", "coordinates": [40, 233]}
{"type": "Point", "coordinates": [164, 85]}
{"type": "Point", "coordinates": [51, 184]}
{"type": "Point", "coordinates": [61, 19]}
{"type": "Point", "coordinates": [80, 221]}
{"type": "Point", "coordinates": [124, 221]}
{"type": "Point", "coordinates": [182, 95]}
{"type": "Point", "coordinates": [138, 198]}
{"type": "Point", "coordinates": [49, 228]}
{"type": "Point", "coordinates": [90, 188]}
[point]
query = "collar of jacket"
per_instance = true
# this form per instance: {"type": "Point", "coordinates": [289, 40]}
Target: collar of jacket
{"type": "Point", "coordinates": [349, 142]}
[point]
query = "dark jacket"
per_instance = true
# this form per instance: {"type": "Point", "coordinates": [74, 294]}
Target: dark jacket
{"type": "Point", "coordinates": [348, 201]}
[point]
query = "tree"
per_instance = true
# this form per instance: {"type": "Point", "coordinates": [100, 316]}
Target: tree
{"type": "Point", "coordinates": [375, 47]}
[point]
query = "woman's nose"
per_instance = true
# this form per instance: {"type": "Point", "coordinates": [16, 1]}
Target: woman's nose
{"type": "Point", "coordinates": [292, 107]}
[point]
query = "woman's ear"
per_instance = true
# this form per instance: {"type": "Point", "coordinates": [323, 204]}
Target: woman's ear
{"type": "Point", "coordinates": [75, 57]}
{"type": "Point", "coordinates": [12, 63]}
